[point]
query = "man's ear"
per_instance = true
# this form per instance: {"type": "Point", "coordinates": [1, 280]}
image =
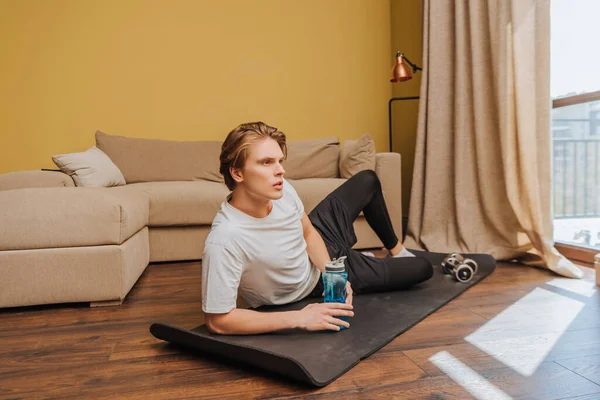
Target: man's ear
{"type": "Point", "coordinates": [236, 174]}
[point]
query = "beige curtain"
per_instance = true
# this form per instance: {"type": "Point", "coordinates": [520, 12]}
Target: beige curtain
{"type": "Point", "coordinates": [481, 180]}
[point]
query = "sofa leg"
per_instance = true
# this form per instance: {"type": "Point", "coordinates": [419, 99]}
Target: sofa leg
{"type": "Point", "coordinates": [106, 303]}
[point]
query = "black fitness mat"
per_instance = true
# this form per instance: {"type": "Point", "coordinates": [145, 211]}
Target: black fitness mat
{"type": "Point", "coordinates": [319, 358]}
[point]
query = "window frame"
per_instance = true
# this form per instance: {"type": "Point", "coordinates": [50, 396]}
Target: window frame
{"type": "Point", "coordinates": [581, 254]}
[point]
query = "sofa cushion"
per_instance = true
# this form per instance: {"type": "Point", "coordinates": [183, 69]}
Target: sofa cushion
{"type": "Point", "coordinates": [34, 179]}
{"type": "Point", "coordinates": [182, 203]}
{"type": "Point", "coordinates": [312, 191]}
{"type": "Point", "coordinates": [156, 160]}
{"type": "Point", "coordinates": [69, 217]}
{"type": "Point", "coordinates": [357, 155]}
{"type": "Point", "coordinates": [90, 168]}
{"type": "Point", "coordinates": [315, 158]}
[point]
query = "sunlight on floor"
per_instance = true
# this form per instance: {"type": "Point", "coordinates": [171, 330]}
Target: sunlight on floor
{"type": "Point", "coordinates": [522, 335]}
{"type": "Point", "coordinates": [470, 380]}
{"type": "Point", "coordinates": [581, 287]}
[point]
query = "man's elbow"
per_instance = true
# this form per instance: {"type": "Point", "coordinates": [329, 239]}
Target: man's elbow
{"type": "Point", "coordinates": [216, 325]}
{"type": "Point", "coordinates": [309, 232]}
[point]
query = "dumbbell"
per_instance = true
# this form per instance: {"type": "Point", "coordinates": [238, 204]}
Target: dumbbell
{"type": "Point", "coordinates": [463, 269]}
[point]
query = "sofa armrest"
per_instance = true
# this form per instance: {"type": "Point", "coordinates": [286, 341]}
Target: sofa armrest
{"type": "Point", "coordinates": [388, 169]}
{"type": "Point", "coordinates": [34, 179]}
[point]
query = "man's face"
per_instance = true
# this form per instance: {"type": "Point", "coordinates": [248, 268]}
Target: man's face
{"type": "Point", "coordinates": [262, 175]}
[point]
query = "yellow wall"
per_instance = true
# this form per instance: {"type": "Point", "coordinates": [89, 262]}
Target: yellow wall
{"type": "Point", "coordinates": [188, 70]}
{"type": "Point", "coordinates": [407, 37]}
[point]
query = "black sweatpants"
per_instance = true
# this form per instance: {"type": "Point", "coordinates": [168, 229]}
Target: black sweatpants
{"type": "Point", "coordinates": [333, 218]}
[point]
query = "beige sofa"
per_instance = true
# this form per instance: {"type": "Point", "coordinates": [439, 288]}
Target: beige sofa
{"type": "Point", "coordinates": [60, 243]}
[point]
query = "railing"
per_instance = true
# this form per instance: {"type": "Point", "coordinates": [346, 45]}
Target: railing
{"type": "Point", "coordinates": [576, 156]}
{"type": "Point", "coordinates": [576, 178]}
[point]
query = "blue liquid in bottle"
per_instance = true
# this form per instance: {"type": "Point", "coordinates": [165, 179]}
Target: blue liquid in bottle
{"type": "Point", "coordinates": [334, 283]}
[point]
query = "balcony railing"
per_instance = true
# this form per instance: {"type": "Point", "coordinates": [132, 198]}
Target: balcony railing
{"type": "Point", "coordinates": [576, 156]}
{"type": "Point", "coordinates": [576, 176]}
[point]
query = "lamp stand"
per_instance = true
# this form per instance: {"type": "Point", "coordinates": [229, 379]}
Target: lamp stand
{"type": "Point", "coordinates": [390, 111]}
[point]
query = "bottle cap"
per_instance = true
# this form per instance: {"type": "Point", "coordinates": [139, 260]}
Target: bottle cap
{"type": "Point", "coordinates": [336, 265]}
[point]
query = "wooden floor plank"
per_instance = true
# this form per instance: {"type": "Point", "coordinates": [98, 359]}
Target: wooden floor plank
{"type": "Point", "coordinates": [588, 367]}
{"type": "Point", "coordinates": [377, 370]}
{"type": "Point", "coordinates": [439, 388]}
{"type": "Point", "coordinates": [521, 355]}
{"type": "Point", "coordinates": [593, 396]}
{"type": "Point", "coordinates": [73, 351]}
{"type": "Point", "coordinates": [446, 326]}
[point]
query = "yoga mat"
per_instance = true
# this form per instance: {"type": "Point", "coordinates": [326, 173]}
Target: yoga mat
{"type": "Point", "coordinates": [318, 358]}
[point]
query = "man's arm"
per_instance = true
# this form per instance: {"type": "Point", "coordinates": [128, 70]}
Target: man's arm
{"type": "Point", "coordinates": [315, 246]}
{"type": "Point", "coordinates": [313, 317]}
{"type": "Point", "coordinates": [317, 251]}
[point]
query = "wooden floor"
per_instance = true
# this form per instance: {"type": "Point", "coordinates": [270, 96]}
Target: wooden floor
{"type": "Point", "coordinates": [522, 333]}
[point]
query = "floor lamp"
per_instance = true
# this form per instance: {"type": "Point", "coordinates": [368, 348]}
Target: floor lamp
{"type": "Point", "coordinates": [400, 73]}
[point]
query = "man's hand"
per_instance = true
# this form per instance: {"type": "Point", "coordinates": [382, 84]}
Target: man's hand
{"type": "Point", "coordinates": [349, 293]}
{"type": "Point", "coordinates": [322, 316]}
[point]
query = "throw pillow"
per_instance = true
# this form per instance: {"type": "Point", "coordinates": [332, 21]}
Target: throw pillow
{"type": "Point", "coordinates": [313, 158]}
{"type": "Point", "coordinates": [91, 168]}
{"type": "Point", "coordinates": [357, 155]}
{"type": "Point", "coordinates": [156, 160]}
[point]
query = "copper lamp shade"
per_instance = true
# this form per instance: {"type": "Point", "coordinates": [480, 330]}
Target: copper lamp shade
{"type": "Point", "coordinates": [400, 72]}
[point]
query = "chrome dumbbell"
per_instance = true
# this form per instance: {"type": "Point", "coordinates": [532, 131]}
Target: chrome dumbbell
{"type": "Point", "coordinates": [463, 269]}
{"type": "Point", "coordinates": [471, 263]}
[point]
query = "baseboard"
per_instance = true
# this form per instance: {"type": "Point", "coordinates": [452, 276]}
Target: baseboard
{"type": "Point", "coordinates": [577, 253]}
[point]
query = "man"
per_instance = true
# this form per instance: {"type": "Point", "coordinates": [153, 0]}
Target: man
{"type": "Point", "coordinates": [263, 244]}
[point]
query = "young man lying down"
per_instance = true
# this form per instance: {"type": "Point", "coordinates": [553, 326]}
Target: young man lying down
{"type": "Point", "coordinates": [263, 244]}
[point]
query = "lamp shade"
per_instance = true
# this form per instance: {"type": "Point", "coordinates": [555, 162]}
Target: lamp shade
{"type": "Point", "coordinates": [400, 72]}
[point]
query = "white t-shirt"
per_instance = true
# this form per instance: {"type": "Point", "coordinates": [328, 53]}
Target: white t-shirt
{"type": "Point", "coordinates": [265, 258]}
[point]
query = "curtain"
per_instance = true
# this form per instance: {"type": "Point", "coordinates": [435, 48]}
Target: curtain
{"type": "Point", "coordinates": [482, 172]}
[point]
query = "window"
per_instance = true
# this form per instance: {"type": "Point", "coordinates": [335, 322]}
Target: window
{"type": "Point", "coordinates": [575, 90]}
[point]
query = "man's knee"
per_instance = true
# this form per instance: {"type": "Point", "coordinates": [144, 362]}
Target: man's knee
{"type": "Point", "coordinates": [424, 268]}
{"type": "Point", "coordinates": [408, 271]}
{"type": "Point", "coordinates": [368, 178]}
